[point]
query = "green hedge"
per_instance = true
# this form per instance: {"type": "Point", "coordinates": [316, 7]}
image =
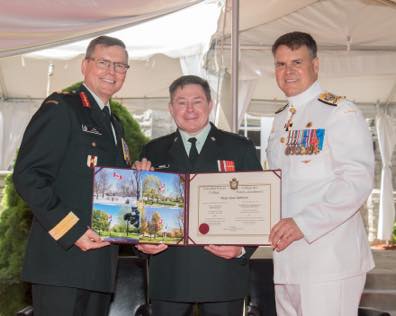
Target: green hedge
{"type": "Point", "coordinates": [15, 221]}
{"type": "Point", "coordinates": [394, 234]}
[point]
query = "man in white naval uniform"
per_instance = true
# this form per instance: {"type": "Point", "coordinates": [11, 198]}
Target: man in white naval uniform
{"type": "Point", "coordinates": [324, 148]}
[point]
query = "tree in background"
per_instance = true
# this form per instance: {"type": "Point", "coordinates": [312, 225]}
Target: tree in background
{"type": "Point", "coordinates": [16, 218]}
{"type": "Point", "coordinates": [156, 224]}
{"type": "Point", "coordinates": [100, 221]}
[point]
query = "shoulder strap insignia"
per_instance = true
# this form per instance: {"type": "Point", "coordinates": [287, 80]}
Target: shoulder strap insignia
{"type": "Point", "coordinates": [330, 99]}
{"type": "Point", "coordinates": [51, 102]}
{"type": "Point", "coordinates": [85, 100]}
{"type": "Point", "coordinates": [64, 92]}
{"type": "Point", "coordinates": [281, 108]}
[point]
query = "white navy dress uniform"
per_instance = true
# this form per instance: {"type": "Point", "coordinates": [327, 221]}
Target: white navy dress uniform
{"type": "Point", "coordinates": [324, 148]}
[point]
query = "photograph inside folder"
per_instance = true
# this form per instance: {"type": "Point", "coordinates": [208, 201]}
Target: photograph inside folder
{"type": "Point", "coordinates": [236, 208]}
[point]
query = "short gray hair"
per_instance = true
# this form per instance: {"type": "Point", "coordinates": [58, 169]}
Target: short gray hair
{"type": "Point", "coordinates": [105, 41]}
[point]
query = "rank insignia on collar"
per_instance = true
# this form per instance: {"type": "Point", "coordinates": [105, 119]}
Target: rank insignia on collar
{"type": "Point", "coordinates": [85, 100]}
{"type": "Point", "coordinates": [330, 99]}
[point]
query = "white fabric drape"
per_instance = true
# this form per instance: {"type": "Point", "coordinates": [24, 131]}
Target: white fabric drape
{"type": "Point", "coordinates": [265, 131]}
{"type": "Point", "coordinates": [193, 65]}
{"type": "Point", "coordinates": [386, 130]}
{"type": "Point", "coordinates": [245, 94]}
{"type": "Point", "coordinates": [15, 117]}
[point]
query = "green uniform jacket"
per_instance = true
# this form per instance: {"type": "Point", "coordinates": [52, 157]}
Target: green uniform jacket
{"type": "Point", "coordinates": [52, 175]}
{"type": "Point", "coordinates": [192, 274]}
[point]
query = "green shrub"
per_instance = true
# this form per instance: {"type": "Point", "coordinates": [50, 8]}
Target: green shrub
{"type": "Point", "coordinates": [15, 220]}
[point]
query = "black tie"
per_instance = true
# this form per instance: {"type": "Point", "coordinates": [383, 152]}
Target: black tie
{"type": "Point", "coordinates": [107, 118]}
{"type": "Point", "coordinates": [193, 151]}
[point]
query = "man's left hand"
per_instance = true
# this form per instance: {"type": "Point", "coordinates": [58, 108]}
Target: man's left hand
{"type": "Point", "coordinates": [226, 252]}
{"type": "Point", "coordinates": [143, 164]}
{"type": "Point", "coordinates": [284, 233]}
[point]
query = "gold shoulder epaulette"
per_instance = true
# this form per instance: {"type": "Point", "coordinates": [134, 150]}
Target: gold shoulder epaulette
{"type": "Point", "coordinates": [330, 99]}
{"type": "Point", "coordinates": [281, 108]}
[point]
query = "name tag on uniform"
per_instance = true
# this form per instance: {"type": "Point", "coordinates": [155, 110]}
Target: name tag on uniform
{"type": "Point", "coordinates": [90, 130]}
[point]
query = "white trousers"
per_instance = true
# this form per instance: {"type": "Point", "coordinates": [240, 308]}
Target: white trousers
{"type": "Point", "coordinates": [332, 298]}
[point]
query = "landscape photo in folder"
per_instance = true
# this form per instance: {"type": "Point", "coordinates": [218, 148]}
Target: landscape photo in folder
{"type": "Point", "coordinates": [131, 206]}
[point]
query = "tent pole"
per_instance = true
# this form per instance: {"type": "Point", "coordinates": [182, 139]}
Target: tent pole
{"type": "Point", "coordinates": [3, 88]}
{"type": "Point", "coordinates": [234, 62]}
{"type": "Point", "coordinates": [50, 73]}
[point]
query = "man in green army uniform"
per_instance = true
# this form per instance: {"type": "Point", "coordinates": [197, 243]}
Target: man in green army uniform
{"type": "Point", "coordinates": [215, 277]}
{"type": "Point", "coordinates": [71, 269]}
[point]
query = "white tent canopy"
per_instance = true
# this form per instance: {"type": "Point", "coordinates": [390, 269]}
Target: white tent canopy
{"type": "Point", "coordinates": [356, 39]}
{"type": "Point", "coordinates": [31, 25]}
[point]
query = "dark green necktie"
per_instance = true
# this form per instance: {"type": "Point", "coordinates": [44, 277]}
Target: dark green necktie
{"type": "Point", "coordinates": [193, 151]}
{"type": "Point", "coordinates": [107, 118]}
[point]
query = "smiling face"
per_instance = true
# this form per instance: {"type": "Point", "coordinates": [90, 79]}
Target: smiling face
{"type": "Point", "coordinates": [104, 82]}
{"type": "Point", "coordinates": [190, 108]}
{"type": "Point", "coordinates": [295, 70]}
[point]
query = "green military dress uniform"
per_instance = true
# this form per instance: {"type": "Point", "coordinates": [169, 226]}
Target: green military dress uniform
{"type": "Point", "coordinates": [53, 174]}
{"type": "Point", "coordinates": [192, 274]}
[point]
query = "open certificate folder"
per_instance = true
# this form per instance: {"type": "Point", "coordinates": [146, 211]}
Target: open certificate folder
{"type": "Point", "coordinates": [234, 208]}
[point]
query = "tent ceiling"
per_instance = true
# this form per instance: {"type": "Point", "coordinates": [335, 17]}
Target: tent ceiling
{"type": "Point", "coordinates": [180, 33]}
{"type": "Point", "coordinates": [257, 12]}
{"type": "Point", "coordinates": [336, 24]}
{"type": "Point", "coordinates": [356, 39]}
{"type": "Point", "coordinates": [144, 41]}
{"type": "Point", "coordinates": [34, 24]}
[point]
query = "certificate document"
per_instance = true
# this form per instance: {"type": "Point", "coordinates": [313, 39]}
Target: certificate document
{"type": "Point", "coordinates": [235, 208]}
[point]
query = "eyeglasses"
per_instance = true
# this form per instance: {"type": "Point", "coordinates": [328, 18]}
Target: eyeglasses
{"type": "Point", "coordinates": [120, 68]}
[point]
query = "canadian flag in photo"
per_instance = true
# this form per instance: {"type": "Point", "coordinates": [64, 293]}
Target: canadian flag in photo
{"type": "Point", "coordinates": [162, 187]}
{"type": "Point", "coordinates": [117, 176]}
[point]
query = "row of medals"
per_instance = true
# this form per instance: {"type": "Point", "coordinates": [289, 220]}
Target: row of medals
{"type": "Point", "coordinates": [297, 145]}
